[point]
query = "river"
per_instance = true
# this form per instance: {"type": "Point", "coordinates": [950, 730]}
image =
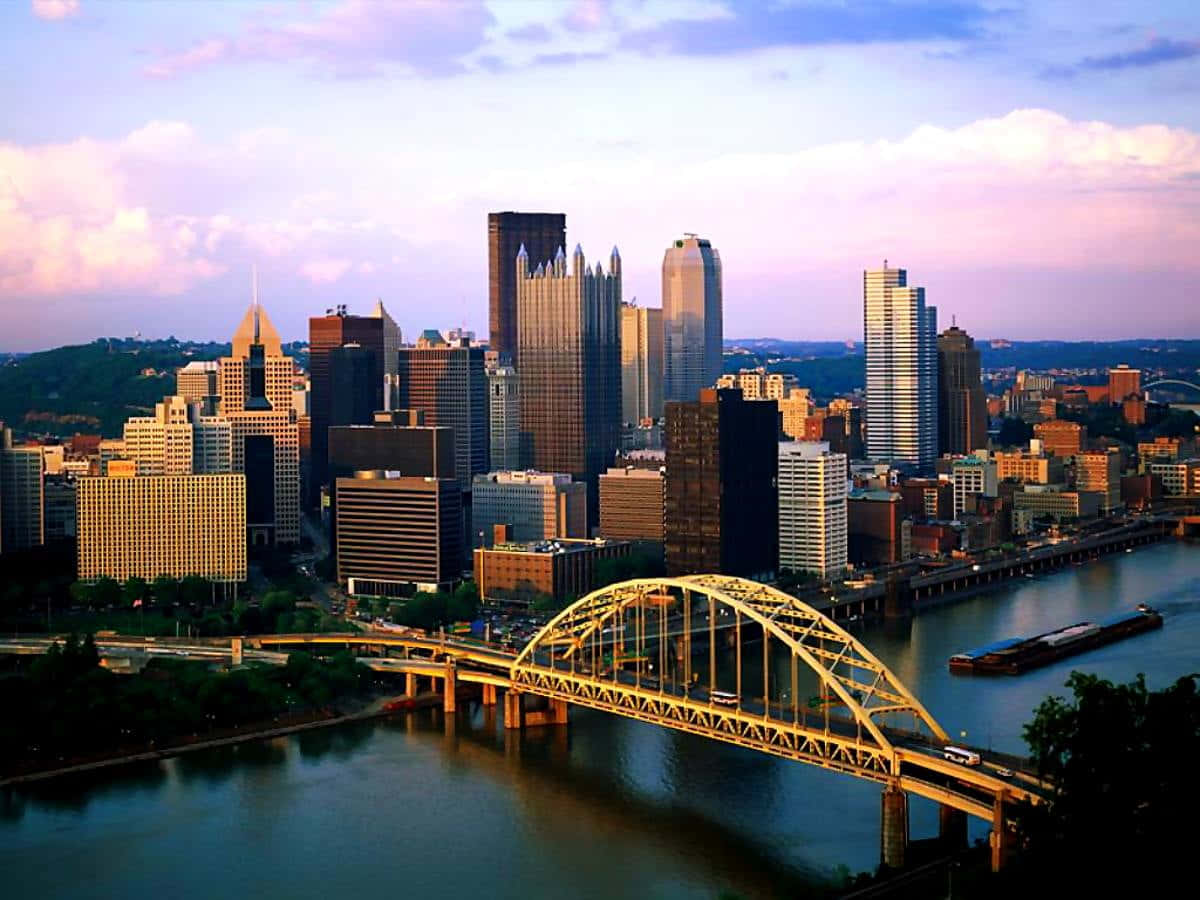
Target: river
{"type": "Point", "coordinates": [608, 808]}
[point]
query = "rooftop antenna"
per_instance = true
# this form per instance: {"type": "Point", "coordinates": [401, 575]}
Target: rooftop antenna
{"type": "Point", "coordinates": [254, 298]}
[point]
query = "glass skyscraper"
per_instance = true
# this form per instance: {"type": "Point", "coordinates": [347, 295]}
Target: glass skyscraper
{"type": "Point", "coordinates": [691, 313]}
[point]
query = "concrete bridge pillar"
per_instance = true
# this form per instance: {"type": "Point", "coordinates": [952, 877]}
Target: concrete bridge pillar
{"type": "Point", "coordinates": [893, 841]}
{"type": "Point", "coordinates": [410, 684]}
{"type": "Point", "coordinates": [999, 840]}
{"type": "Point", "coordinates": [514, 710]}
{"type": "Point", "coordinates": [449, 689]}
{"type": "Point", "coordinates": [489, 695]}
{"type": "Point", "coordinates": [952, 827]}
{"type": "Point", "coordinates": [235, 647]}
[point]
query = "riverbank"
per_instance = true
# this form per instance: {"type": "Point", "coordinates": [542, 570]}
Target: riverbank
{"type": "Point", "coordinates": [228, 737]}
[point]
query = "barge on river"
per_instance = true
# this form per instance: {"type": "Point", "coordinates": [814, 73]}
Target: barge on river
{"type": "Point", "coordinates": [1013, 656]}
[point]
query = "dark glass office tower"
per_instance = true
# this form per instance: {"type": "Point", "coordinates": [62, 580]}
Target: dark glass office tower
{"type": "Point", "coordinates": [355, 379]}
{"type": "Point", "coordinates": [326, 333]}
{"type": "Point", "coordinates": [541, 234]}
{"type": "Point", "coordinates": [722, 500]}
{"type": "Point", "coordinates": [962, 405]}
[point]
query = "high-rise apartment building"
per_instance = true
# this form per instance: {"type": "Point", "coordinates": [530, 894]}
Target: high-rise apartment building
{"type": "Point", "coordinates": [197, 383]}
{"type": "Point", "coordinates": [448, 383]}
{"type": "Point", "coordinates": [722, 460]}
{"type": "Point", "coordinates": [178, 440]}
{"type": "Point", "coordinates": [145, 526]}
{"type": "Point", "coordinates": [1099, 472]}
{"type": "Point", "coordinates": [392, 341]}
{"type": "Point", "coordinates": [326, 333]}
{"type": "Point", "coordinates": [794, 410]}
{"type": "Point", "coordinates": [540, 234]}
{"type": "Point", "coordinates": [256, 398]}
{"type": "Point", "coordinates": [570, 365]}
{"type": "Point", "coordinates": [900, 333]}
{"type": "Point", "coordinates": [504, 415]}
{"type": "Point", "coordinates": [396, 533]}
{"type": "Point", "coordinates": [21, 497]}
{"type": "Point", "coordinates": [641, 363]}
{"type": "Point", "coordinates": [692, 318]}
{"type": "Point", "coordinates": [962, 406]}
{"type": "Point", "coordinates": [633, 504]}
{"type": "Point", "coordinates": [538, 505]}
{"type": "Point", "coordinates": [812, 509]}
{"type": "Point", "coordinates": [1123, 382]}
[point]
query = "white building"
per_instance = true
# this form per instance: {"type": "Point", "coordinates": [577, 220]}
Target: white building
{"type": "Point", "coordinates": [538, 505]}
{"type": "Point", "coordinates": [973, 475]}
{"type": "Point", "coordinates": [900, 333]}
{"type": "Point", "coordinates": [812, 508]}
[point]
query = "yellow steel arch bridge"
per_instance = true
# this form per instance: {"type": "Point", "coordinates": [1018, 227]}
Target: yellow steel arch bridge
{"type": "Point", "coordinates": [632, 649]}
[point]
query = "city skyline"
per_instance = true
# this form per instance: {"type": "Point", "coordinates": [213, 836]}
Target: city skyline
{"type": "Point", "coordinates": [134, 200]}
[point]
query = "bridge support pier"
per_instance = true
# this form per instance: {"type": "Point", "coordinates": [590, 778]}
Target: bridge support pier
{"type": "Point", "coordinates": [410, 684]}
{"type": "Point", "coordinates": [514, 710]}
{"type": "Point", "coordinates": [893, 842]}
{"type": "Point", "coordinates": [449, 688]}
{"type": "Point", "coordinates": [554, 714]}
{"type": "Point", "coordinates": [489, 695]}
{"type": "Point", "coordinates": [952, 827]}
{"type": "Point", "coordinates": [999, 840]}
{"type": "Point", "coordinates": [235, 651]}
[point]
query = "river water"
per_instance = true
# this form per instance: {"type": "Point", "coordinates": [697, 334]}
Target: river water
{"type": "Point", "coordinates": [607, 808]}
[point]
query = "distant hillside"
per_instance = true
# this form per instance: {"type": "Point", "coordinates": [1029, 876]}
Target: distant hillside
{"type": "Point", "coordinates": [94, 387]}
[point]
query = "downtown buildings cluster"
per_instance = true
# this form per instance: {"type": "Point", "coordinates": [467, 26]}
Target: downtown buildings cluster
{"type": "Point", "coordinates": [585, 429]}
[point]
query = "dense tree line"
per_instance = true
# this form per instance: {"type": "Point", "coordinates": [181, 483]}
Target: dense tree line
{"type": "Point", "coordinates": [429, 611]}
{"type": "Point", "coordinates": [64, 705]}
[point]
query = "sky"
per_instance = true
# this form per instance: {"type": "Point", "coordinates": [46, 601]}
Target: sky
{"type": "Point", "coordinates": [1034, 165]}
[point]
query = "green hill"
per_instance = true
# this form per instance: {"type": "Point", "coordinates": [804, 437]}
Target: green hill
{"type": "Point", "coordinates": [94, 387]}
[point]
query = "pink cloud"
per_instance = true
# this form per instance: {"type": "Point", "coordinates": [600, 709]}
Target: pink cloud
{"type": "Point", "coordinates": [353, 37]}
{"type": "Point", "coordinates": [55, 10]}
{"type": "Point", "coordinates": [325, 270]}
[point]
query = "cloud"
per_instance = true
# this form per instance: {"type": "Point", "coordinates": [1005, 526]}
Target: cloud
{"type": "Point", "coordinates": [355, 37]}
{"type": "Point", "coordinates": [325, 270]}
{"type": "Point", "coordinates": [534, 31]}
{"type": "Point", "coordinates": [752, 26]}
{"type": "Point", "coordinates": [55, 10]}
{"type": "Point", "coordinates": [1155, 52]}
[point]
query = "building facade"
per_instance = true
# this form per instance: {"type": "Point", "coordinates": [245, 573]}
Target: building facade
{"type": "Point", "coordinates": [812, 509]}
{"type": "Point", "coordinates": [1040, 501]}
{"type": "Point", "coordinates": [21, 495]}
{"type": "Point", "coordinates": [145, 526]}
{"type": "Point", "coordinates": [1099, 471]}
{"type": "Point", "coordinates": [692, 310]}
{"type": "Point", "coordinates": [526, 572]}
{"type": "Point", "coordinates": [326, 333]}
{"type": "Point", "coordinates": [962, 406]}
{"type": "Point", "coordinates": [449, 384]}
{"type": "Point", "coordinates": [393, 339]}
{"type": "Point", "coordinates": [197, 383]}
{"type": "Point", "coordinates": [721, 496]}
{"type": "Point", "coordinates": [1062, 438]}
{"type": "Point", "coordinates": [540, 234]}
{"type": "Point", "coordinates": [633, 504]}
{"type": "Point", "coordinates": [900, 334]}
{"type": "Point", "coordinates": [504, 414]}
{"type": "Point", "coordinates": [398, 534]}
{"type": "Point", "coordinates": [1123, 382]}
{"type": "Point", "coordinates": [538, 505]}
{"type": "Point", "coordinates": [570, 364]}
{"type": "Point", "coordinates": [1032, 466]}
{"type": "Point", "coordinates": [973, 476]}
{"type": "Point", "coordinates": [641, 363]}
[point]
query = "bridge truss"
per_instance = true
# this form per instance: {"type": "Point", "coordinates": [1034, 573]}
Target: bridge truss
{"type": "Point", "coordinates": [648, 649]}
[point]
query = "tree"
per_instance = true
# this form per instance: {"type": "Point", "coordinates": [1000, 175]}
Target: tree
{"type": "Point", "coordinates": [81, 593]}
{"type": "Point", "coordinates": [166, 590]}
{"type": "Point", "coordinates": [1119, 757]}
{"type": "Point", "coordinates": [106, 592]}
{"type": "Point", "coordinates": [1014, 433]}
{"type": "Point", "coordinates": [135, 589]}
{"type": "Point", "coordinates": [194, 591]}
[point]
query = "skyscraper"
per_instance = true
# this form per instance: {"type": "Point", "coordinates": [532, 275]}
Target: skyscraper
{"type": "Point", "coordinates": [962, 406]}
{"type": "Point", "coordinates": [447, 382]}
{"type": "Point", "coordinates": [570, 365]}
{"type": "Point", "coordinates": [691, 312]}
{"type": "Point", "coordinates": [353, 374]}
{"type": "Point", "coordinates": [392, 339]}
{"type": "Point", "coordinates": [256, 397]}
{"type": "Point", "coordinates": [504, 409]}
{"type": "Point", "coordinates": [21, 519]}
{"type": "Point", "coordinates": [812, 508]}
{"type": "Point", "coordinates": [641, 363]}
{"type": "Point", "coordinates": [900, 333]}
{"type": "Point", "coordinates": [540, 234]}
{"type": "Point", "coordinates": [722, 461]}
{"type": "Point", "coordinates": [324, 334]}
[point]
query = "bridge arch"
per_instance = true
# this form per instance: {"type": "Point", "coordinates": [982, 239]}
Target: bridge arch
{"type": "Point", "coordinates": [1176, 381]}
{"type": "Point", "coordinates": [872, 694]}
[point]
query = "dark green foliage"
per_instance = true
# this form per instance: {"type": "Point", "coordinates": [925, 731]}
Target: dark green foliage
{"type": "Point", "coordinates": [1014, 433]}
{"type": "Point", "coordinates": [1120, 756]}
{"type": "Point", "coordinates": [64, 705]}
{"type": "Point", "coordinates": [1102, 420]}
{"type": "Point", "coordinates": [639, 564]}
{"type": "Point", "coordinates": [105, 593]}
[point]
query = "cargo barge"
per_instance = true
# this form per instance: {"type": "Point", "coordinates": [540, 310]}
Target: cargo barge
{"type": "Point", "coordinates": [1013, 656]}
